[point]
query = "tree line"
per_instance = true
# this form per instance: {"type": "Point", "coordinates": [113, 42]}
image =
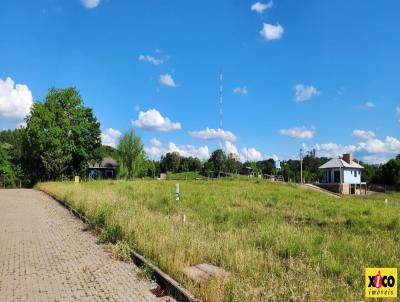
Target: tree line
{"type": "Point", "coordinates": [62, 136]}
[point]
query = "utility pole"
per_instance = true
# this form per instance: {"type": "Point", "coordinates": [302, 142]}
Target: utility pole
{"type": "Point", "coordinates": [301, 166]}
{"type": "Point", "coordinates": [221, 99]}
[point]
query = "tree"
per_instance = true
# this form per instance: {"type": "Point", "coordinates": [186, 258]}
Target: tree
{"type": "Point", "coordinates": [267, 166]}
{"type": "Point", "coordinates": [6, 169]}
{"type": "Point", "coordinates": [218, 159]}
{"type": "Point", "coordinates": [12, 141]}
{"type": "Point", "coordinates": [194, 164]}
{"type": "Point", "coordinates": [131, 155]}
{"type": "Point", "coordinates": [61, 136]}
{"type": "Point", "coordinates": [108, 151]}
{"type": "Point", "coordinates": [391, 172]}
{"type": "Point", "coordinates": [233, 164]}
{"type": "Point", "coordinates": [171, 162]}
{"type": "Point", "coordinates": [150, 168]}
{"type": "Point", "coordinates": [208, 168]}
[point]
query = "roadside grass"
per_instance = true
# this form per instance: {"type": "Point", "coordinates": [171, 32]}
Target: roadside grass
{"type": "Point", "coordinates": [185, 176]}
{"type": "Point", "coordinates": [279, 241]}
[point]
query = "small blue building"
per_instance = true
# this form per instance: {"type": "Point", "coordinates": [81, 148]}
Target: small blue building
{"type": "Point", "coordinates": [343, 175]}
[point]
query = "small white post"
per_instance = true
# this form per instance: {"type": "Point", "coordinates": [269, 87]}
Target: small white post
{"type": "Point", "coordinates": [301, 166]}
{"type": "Point", "coordinates": [177, 192]}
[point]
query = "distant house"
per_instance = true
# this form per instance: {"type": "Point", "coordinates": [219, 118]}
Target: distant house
{"type": "Point", "coordinates": [249, 171]}
{"type": "Point", "coordinates": [343, 175]}
{"type": "Point", "coordinates": [107, 169]}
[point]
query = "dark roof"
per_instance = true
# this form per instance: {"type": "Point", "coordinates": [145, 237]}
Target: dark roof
{"type": "Point", "coordinates": [107, 162]}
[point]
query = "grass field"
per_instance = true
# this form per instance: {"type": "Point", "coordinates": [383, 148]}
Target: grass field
{"type": "Point", "coordinates": [279, 241]}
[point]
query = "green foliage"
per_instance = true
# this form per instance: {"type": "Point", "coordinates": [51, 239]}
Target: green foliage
{"type": "Point", "coordinates": [11, 142]}
{"type": "Point", "coordinates": [146, 273]}
{"type": "Point", "coordinates": [218, 159]}
{"type": "Point", "coordinates": [150, 168]}
{"type": "Point", "coordinates": [391, 172]}
{"type": "Point", "coordinates": [121, 251]}
{"type": "Point", "coordinates": [131, 156]}
{"type": "Point", "coordinates": [170, 162]}
{"type": "Point", "coordinates": [6, 170]}
{"type": "Point", "coordinates": [232, 164]}
{"type": "Point", "coordinates": [111, 233]}
{"type": "Point", "coordinates": [267, 166]}
{"type": "Point", "coordinates": [108, 151]}
{"type": "Point", "coordinates": [61, 136]}
{"type": "Point", "coordinates": [173, 162]}
{"type": "Point", "coordinates": [385, 174]}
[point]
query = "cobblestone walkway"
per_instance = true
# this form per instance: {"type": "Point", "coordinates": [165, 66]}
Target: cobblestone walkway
{"type": "Point", "coordinates": [46, 256]}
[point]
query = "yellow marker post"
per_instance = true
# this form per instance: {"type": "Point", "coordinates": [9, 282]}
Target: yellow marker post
{"type": "Point", "coordinates": [77, 179]}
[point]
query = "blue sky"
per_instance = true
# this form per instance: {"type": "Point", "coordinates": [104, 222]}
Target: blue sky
{"type": "Point", "coordinates": [317, 74]}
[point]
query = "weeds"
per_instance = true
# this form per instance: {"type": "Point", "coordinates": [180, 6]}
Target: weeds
{"type": "Point", "coordinates": [146, 273]}
{"type": "Point", "coordinates": [121, 251]}
{"type": "Point", "coordinates": [279, 241]}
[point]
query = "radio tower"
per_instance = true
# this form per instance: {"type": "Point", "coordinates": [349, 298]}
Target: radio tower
{"type": "Point", "coordinates": [220, 99]}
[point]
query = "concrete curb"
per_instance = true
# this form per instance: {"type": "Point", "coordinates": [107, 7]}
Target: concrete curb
{"type": "Point", "coordinates": [169, 285]}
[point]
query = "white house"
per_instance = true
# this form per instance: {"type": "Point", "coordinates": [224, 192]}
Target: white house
{"type": "Point", "coordinates": [343, 175]}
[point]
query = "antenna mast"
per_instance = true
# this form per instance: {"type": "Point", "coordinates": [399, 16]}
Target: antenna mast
{"type": "Point", "coordinates": [220, 99]}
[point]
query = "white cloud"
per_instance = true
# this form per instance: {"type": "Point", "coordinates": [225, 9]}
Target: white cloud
{"type": "Point", "coordinates": [201, 152]}
{"type": "Point", "coordinates": [373, 150]}
{"type": "Point", "coordinates": [375, 158]}
{"type": "Point", "coordinates": [369, 104]}
{"type": "Point", "coordinates": [155, 142]}
{"type": "Point", "coordinates": [230, 148]}
{"type": "Point", "coordinates": [299, 132]}
{"type": "Point", "coordinates": [212, 134]}
{"type": "Point", "coordinates": [167, 80]}
{"type": "Point", "coordinates": [155, 152]}
{"type": "Point", "coordinates": [333, 150]}
{"type": "Point", "coordinates": [362, 134]}
{"type": "Point", "coordinates": [271, 32]}
{"type": "Point", "coordinates": [151, 59]}
{"type": "Point", "coordinates": [241, 90]}
{"type": "Point", "coordinates": [189, 150]}
{"type": "Point", "coordinates": [251, 154]}
{"type": "Point", "coordinates": [261, 7]}
{"type": "Point", "coordinates": [15, 100]}
{"type": "Point", "coordinates": [110, 137]}
{"type": "Point", "coordinates": [389, 145]}
{"type": "Point", "coordinates": [304, 93]}
{"type": "Point", "coordinates": [90, 3]}
{"type": "Point", "coordinates": [153, 120]}
{"type": "Point", "coordinates": [398, 112]}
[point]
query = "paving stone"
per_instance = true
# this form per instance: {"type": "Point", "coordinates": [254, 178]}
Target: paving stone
{"type": "Point", "coordinates": [45, 256]}
{"type": "Point", "coordinates": [205, 271]}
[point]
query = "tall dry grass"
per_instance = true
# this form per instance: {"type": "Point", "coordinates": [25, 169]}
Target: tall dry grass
{"type": "Point", "coordinates": [279, 241]}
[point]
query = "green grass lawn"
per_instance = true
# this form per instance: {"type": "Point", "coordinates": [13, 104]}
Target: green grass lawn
{"type": "Point", "coordinates": [279, 241]}
{"type": "Point", "coordinates": [185, 176]}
